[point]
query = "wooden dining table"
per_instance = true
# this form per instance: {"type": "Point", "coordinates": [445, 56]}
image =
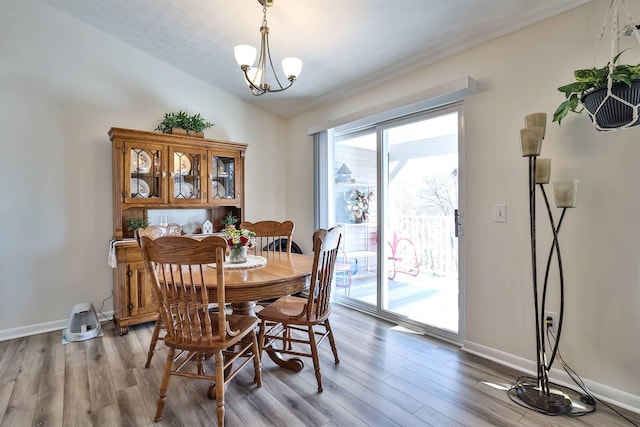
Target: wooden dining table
{"type": "Point", "coordinates": [283, 274]}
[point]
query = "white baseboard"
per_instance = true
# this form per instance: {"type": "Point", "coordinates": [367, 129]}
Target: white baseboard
{"type": "Point", "coordinates": [39, 328]}
{"type": "Point", "coordinates": [601, 391]}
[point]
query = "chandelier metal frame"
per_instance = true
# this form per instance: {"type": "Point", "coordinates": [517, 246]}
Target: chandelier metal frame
{"type": "Point", "coordinates": [256, 77]}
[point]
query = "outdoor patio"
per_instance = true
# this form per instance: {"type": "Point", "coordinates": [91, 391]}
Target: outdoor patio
{"type": "Point", "coordinates": [425, 298]}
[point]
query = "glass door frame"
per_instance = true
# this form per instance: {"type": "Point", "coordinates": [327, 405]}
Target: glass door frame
{"type": "Point", "coordinates": [382, 151]}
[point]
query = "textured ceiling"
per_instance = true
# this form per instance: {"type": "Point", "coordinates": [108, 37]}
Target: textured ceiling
{"type": "Point", "coordinates": [345, 45]}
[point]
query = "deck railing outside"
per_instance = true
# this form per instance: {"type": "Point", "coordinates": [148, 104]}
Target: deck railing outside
{"type": "Point", "coordinates": [434, 240]}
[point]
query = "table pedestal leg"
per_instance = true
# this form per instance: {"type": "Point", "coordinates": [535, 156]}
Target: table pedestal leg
{"type": "Point", "coordinates": [294, 364]}
{"type": "Point", "coordinates": [211, 392]}
{"type": "Point", "coordinates": [244, 308]}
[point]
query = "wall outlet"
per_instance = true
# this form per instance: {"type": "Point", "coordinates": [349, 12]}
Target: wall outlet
{"type": "Point", "coordinates": [551, 320]}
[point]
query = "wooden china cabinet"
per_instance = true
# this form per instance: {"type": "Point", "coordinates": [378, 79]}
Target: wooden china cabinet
{"type": "Point", "coordinates": [163, 171]}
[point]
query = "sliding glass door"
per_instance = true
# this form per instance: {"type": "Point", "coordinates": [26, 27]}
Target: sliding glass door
{"type": "Point", "coordinates": [421, 250]}
{"type": "Point", "coordinates": [394, 189]}
{"type": "Point", "coordinates": [355, 210]}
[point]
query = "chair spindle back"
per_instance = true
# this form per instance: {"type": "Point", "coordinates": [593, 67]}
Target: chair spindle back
{"type": "Point", "coordinates": [271, 235]}
{"type": "Point", "coordinates": [176, 266]}
{"type": "Point", "coordinates": [326, 245]}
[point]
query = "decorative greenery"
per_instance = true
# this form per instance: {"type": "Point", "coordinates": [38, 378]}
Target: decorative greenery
{"type": "Point", "coordinates": [195, 123]}
{"type": "Point", "coordinates": [135, 223]}
{"type": "Point", "coordinates": [592, 79]}
{"type": "Point", "coordinates": [230, 219]}
{"type": "Point", "coordinates": [358, 205]}
{"type": "Point", "coordinates": [239, 238]}
{"type": "Point", "coordinates": [198, 123]}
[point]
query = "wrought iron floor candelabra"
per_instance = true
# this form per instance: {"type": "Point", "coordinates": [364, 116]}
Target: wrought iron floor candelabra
{"type": "Point", "coordinates": [539, 394]}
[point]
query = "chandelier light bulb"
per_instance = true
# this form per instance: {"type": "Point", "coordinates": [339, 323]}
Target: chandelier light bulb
{"type": "Point", "coordinates": [245, 55]}
{"type": "Point", "coordinates": [291, 67]}
{"type": "Point", "coordinates": [254, 75]}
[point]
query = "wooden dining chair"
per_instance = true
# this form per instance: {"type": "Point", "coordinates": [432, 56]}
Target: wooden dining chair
{"type": "Point", "coordinates": [271, 236]}
{"type": "Point", "coordinates": [153, 232]}
{"type": "Point", "coordinates": [176, 266]}
{"type": "Point", "coordinates": [281, 319]}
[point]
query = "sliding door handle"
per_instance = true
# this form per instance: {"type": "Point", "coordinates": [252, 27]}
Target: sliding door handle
{"type": "Point", "coordinates": [458, 225]}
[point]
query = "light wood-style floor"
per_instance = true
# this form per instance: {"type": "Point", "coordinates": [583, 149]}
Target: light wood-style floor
{"type": "Point", "coordinates": [385, 378]}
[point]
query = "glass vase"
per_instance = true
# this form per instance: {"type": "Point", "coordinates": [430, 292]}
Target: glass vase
{"type": "Point", "coordinates": [238, 255]}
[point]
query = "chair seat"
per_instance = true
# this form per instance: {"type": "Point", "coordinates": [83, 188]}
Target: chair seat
{"type": "Point", "coordinates": [294, 320]}
{"type": "Point", "coordinates": [290, 309]}
{"type": "Point", "coordinates": [236, 323]}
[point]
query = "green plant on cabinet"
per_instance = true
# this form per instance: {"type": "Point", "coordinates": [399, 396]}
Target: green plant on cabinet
{"type": "Point", "coordinates": [182, 120]}
{"type": "Point", "coordinates": [134, 223]}
{"type": "Point", "coordinates": [230, 219]}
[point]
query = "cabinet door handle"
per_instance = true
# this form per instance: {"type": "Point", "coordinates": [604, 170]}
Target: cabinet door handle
{"type": "Point", "coordinates": [164, 174]}
{"type": "Point", "coordinates": [129, 273]}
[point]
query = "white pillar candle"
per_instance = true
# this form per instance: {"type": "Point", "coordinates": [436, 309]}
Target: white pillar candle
{"type": "Point", "coordinates": [531, 140]}
{"type": "Point", "coordinates": [536, 120]}
{"type": "Point", "coordinates": [543, 170]}
{"type": "Point", "coordinates": [566, 193]}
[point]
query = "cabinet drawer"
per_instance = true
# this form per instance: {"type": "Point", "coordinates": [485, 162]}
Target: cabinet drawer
{"type": "Point", "coordinates": [126, 253]}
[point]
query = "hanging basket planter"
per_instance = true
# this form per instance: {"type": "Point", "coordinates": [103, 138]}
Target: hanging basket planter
{"type": "Point", "coordinates": [610, 94]}
{"type": "Point", "coordinates": [614, 111]}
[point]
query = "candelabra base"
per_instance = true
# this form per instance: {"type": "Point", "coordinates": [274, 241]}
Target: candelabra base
{"type": "Point", "coordinates": [556, 402]}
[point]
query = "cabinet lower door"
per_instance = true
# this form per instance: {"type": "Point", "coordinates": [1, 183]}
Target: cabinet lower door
{"type": "Point", "coordinates": [140, 294]}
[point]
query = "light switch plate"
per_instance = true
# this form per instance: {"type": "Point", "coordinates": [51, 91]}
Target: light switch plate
{"type": "Point", "coordinates": [500, 213]}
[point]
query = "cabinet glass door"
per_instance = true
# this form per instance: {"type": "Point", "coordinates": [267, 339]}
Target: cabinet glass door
{"type": "Point", "coordinates": [145, 170]}
{"type": "Point", "coordinates": [222, 178]}
{"type": "Point", "coordinates": [186, 169]}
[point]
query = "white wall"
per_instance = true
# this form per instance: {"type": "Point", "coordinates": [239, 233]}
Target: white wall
{"type": "Point", "coordinates": [600, 239]}
{"type": "Point", "coordinates": [62, 86]}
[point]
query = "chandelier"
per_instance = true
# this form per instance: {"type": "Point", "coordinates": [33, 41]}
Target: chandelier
{"type": "Point", "coordinates": [256, 77]}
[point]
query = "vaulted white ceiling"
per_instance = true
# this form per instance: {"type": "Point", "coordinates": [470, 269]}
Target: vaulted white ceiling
{"type": "Point", "coordinates": [345, 45]}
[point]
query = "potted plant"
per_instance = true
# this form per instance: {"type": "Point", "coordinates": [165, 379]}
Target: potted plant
{"type": "Point", "coordinates": [134, 223]}
{"type": "Point", "coordinates": [198, 124]}
{"type": "Point", "coordinates": [590, 90]}
{"type": "Point", "coordinates": [229, 221]}
{"type": "Point", "coordinates": [182, 123]}
{"type": "Point", "coordinates": [169, 122]}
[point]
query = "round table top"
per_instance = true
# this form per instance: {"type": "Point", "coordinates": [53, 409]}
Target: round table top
{"type": "Point", "coordinates": [284, 274]}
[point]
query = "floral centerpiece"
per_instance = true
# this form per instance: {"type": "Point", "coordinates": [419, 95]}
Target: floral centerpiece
{"type": "Point", "coordinates": [239, 241]}
{"type": "Point", "coordinates": [358, 205]}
